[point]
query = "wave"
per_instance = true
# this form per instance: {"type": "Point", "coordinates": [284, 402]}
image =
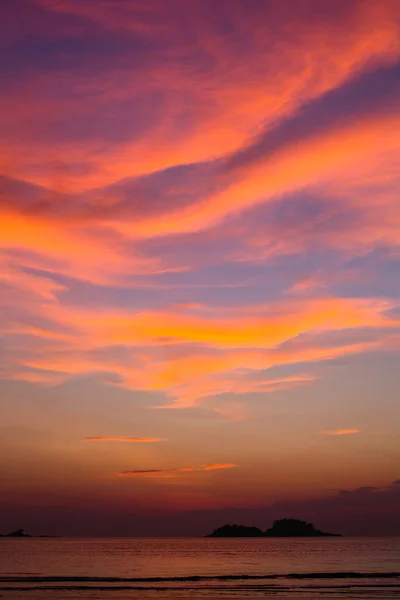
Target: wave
{"type": "Point", "coordinates": [198, 578]}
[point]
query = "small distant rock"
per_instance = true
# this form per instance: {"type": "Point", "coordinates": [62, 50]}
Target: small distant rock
{"type": "Point", "coordinates": [20, 533]}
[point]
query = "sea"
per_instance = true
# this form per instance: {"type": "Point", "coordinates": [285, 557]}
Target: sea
{"type": "Point", "coordinates": [132, 568]}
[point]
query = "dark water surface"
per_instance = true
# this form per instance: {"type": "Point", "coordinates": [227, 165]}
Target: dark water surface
{"type": "Point", "coordinates": [119, 569]}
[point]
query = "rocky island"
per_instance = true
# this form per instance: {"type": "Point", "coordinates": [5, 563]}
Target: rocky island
{"type": "Point", "coordinates": [280, 528]}
{"type": "Point", "coordinates": [236, 531]}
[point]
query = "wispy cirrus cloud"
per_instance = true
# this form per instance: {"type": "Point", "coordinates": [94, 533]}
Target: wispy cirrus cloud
{"type": "Point", "coordinates": [247, 83]}
{"type": "Point", "coordinates": [227, 152]}
{"type": "Point", "coordinates": [232, 382]}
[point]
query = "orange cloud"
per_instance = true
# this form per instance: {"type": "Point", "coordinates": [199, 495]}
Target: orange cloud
{"type": "Point", "coordinates": [216, 467]}
{"type": "Point", "coordinates": [252, 327]}
{"type": "Point", "coordinates": [131, 440]}
{"type": "Point", "coordinates": [70, 248]}
{"type": "Point", "coordinates": [340, 431]}
{"type": "Point", "coordinates": [259, 327]}
{"type": "Point", "coordinates": [229, 350]}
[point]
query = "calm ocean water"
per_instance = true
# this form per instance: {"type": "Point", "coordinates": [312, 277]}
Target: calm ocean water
{"type": "Point", "coordinates": [118, 569]}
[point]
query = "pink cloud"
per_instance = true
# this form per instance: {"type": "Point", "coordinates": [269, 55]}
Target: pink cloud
{"type": "Point", "coordinates": [313, 52]}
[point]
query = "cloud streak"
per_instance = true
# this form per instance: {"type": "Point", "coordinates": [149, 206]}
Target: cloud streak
{"type": "Point", "coordinates": [340, 432]}
{"type": "Point", "coordinates": [129, 440]}
{"type": "Point", "coordinates": [161, 472]}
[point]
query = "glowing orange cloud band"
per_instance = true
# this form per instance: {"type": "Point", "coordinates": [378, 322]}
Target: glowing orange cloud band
{"type": "Point", "coordinates": [132, 440]}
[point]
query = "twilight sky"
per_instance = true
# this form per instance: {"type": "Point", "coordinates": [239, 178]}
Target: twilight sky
{"type": "Point", "coordinates": [200, 264]}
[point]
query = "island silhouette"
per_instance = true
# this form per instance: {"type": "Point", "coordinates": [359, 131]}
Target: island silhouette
{"type": "Point", "coordinates": [20, 533]}
{"type": "Point", "coordinates": [280, 528]}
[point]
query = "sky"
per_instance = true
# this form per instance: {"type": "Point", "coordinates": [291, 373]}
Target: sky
{"type": "Point", "coordinates": [199, 265]}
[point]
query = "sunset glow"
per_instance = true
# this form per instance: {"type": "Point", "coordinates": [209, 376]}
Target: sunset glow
{"type": "Point", "coordinates": [199, 254]}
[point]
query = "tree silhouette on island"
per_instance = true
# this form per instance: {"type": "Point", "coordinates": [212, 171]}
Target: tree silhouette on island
{"type": "Point", "coordinates": [280, 528]}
